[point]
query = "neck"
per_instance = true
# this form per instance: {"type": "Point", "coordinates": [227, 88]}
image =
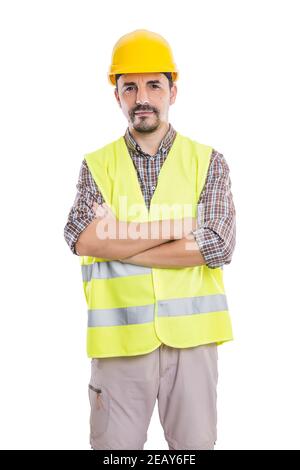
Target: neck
{"type": "Point", "coordinates": [150, 142]}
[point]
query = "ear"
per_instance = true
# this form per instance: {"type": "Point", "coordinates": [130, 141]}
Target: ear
{"type": "Point", "coordinates": [173, 93]}
{"type": "Point", "coordinates": [117, 96]}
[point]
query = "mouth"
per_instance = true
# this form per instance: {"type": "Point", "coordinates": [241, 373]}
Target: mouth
{"type": "Point", "coordinates": [143, 113]}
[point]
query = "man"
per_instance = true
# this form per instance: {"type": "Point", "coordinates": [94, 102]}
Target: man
{"type": "Point", "coordinates": [157, 307]}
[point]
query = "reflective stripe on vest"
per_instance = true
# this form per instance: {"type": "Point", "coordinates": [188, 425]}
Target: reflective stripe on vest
{"type": "Point", "coordinates": [166, 308]}
{"type": "Point", "coordinates": [109, 269]}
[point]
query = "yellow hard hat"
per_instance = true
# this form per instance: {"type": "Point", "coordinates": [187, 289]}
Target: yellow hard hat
{"type": "Point", "coordinates": [141, 51]}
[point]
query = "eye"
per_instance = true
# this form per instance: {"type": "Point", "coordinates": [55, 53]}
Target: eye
{"type": "Point", "coordinates": [154, 85]}
{"type": "Point", "coordinates": [128, 88]}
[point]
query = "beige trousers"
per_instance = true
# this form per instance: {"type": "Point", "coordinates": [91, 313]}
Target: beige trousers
{"type": "Point", "coordinates": [123, 392]}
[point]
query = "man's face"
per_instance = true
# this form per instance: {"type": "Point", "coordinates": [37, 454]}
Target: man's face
{"type": "Point", "coordinates": [145, 92]}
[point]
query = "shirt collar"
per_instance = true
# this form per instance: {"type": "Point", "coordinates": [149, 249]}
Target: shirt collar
{"type": "Point", "coordinates": [164, 146]}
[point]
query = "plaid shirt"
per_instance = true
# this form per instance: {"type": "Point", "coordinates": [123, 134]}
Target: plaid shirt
{"type": "Point", "coordinates": [216, 231]}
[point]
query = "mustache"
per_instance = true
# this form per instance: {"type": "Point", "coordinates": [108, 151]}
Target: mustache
{"type": "Point", "coordinates": [143, 109]}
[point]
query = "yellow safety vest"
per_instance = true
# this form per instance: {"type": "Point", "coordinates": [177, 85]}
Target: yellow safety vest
{"type": "Point", "coordinates": [133, 309]}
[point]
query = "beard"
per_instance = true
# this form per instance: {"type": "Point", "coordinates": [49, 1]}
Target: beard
{"type": "Point", "coordinates": [145, 124]}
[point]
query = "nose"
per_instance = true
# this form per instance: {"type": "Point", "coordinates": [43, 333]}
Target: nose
{"type": "Point", "coordinates": [141, 96]}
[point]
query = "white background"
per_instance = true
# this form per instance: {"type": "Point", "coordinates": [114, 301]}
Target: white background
{"type": "Point", "coordinates": [239, 92]}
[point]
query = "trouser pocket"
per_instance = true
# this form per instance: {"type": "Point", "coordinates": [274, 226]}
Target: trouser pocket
{"type": "Point", "coordinates": [100, 406]}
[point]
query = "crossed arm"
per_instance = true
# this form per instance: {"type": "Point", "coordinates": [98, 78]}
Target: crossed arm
{"type": "Point", "coordinates": [213, 239]}
{"type": "Point", "coordinates": [174, 254]}
{"type": "Point", "coordinates": [163, 251]}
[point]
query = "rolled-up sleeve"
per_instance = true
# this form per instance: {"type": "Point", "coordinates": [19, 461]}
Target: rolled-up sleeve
{"type": "Point", "coordinates": [81, 213]}
{"type": "Point", "coordinates": [216, 231]}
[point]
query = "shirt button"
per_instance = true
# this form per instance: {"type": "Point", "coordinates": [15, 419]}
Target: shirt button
{"type": "Point", "coordinates": [151, 158]}
{"type": "Point", "coordinates": [153, 187]}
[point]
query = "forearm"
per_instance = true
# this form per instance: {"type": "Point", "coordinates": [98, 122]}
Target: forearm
{"type": "Point", "coordinates": [127, 239]}
{"type": "Point", "coordinates": [175, 254]}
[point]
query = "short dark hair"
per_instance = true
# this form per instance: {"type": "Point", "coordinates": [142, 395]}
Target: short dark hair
{"type": "Point", "coordinates": [167, 74]}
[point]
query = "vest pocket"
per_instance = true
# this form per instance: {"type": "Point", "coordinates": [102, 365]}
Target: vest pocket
{"type": "Point", "coordinates": [100, 405]}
